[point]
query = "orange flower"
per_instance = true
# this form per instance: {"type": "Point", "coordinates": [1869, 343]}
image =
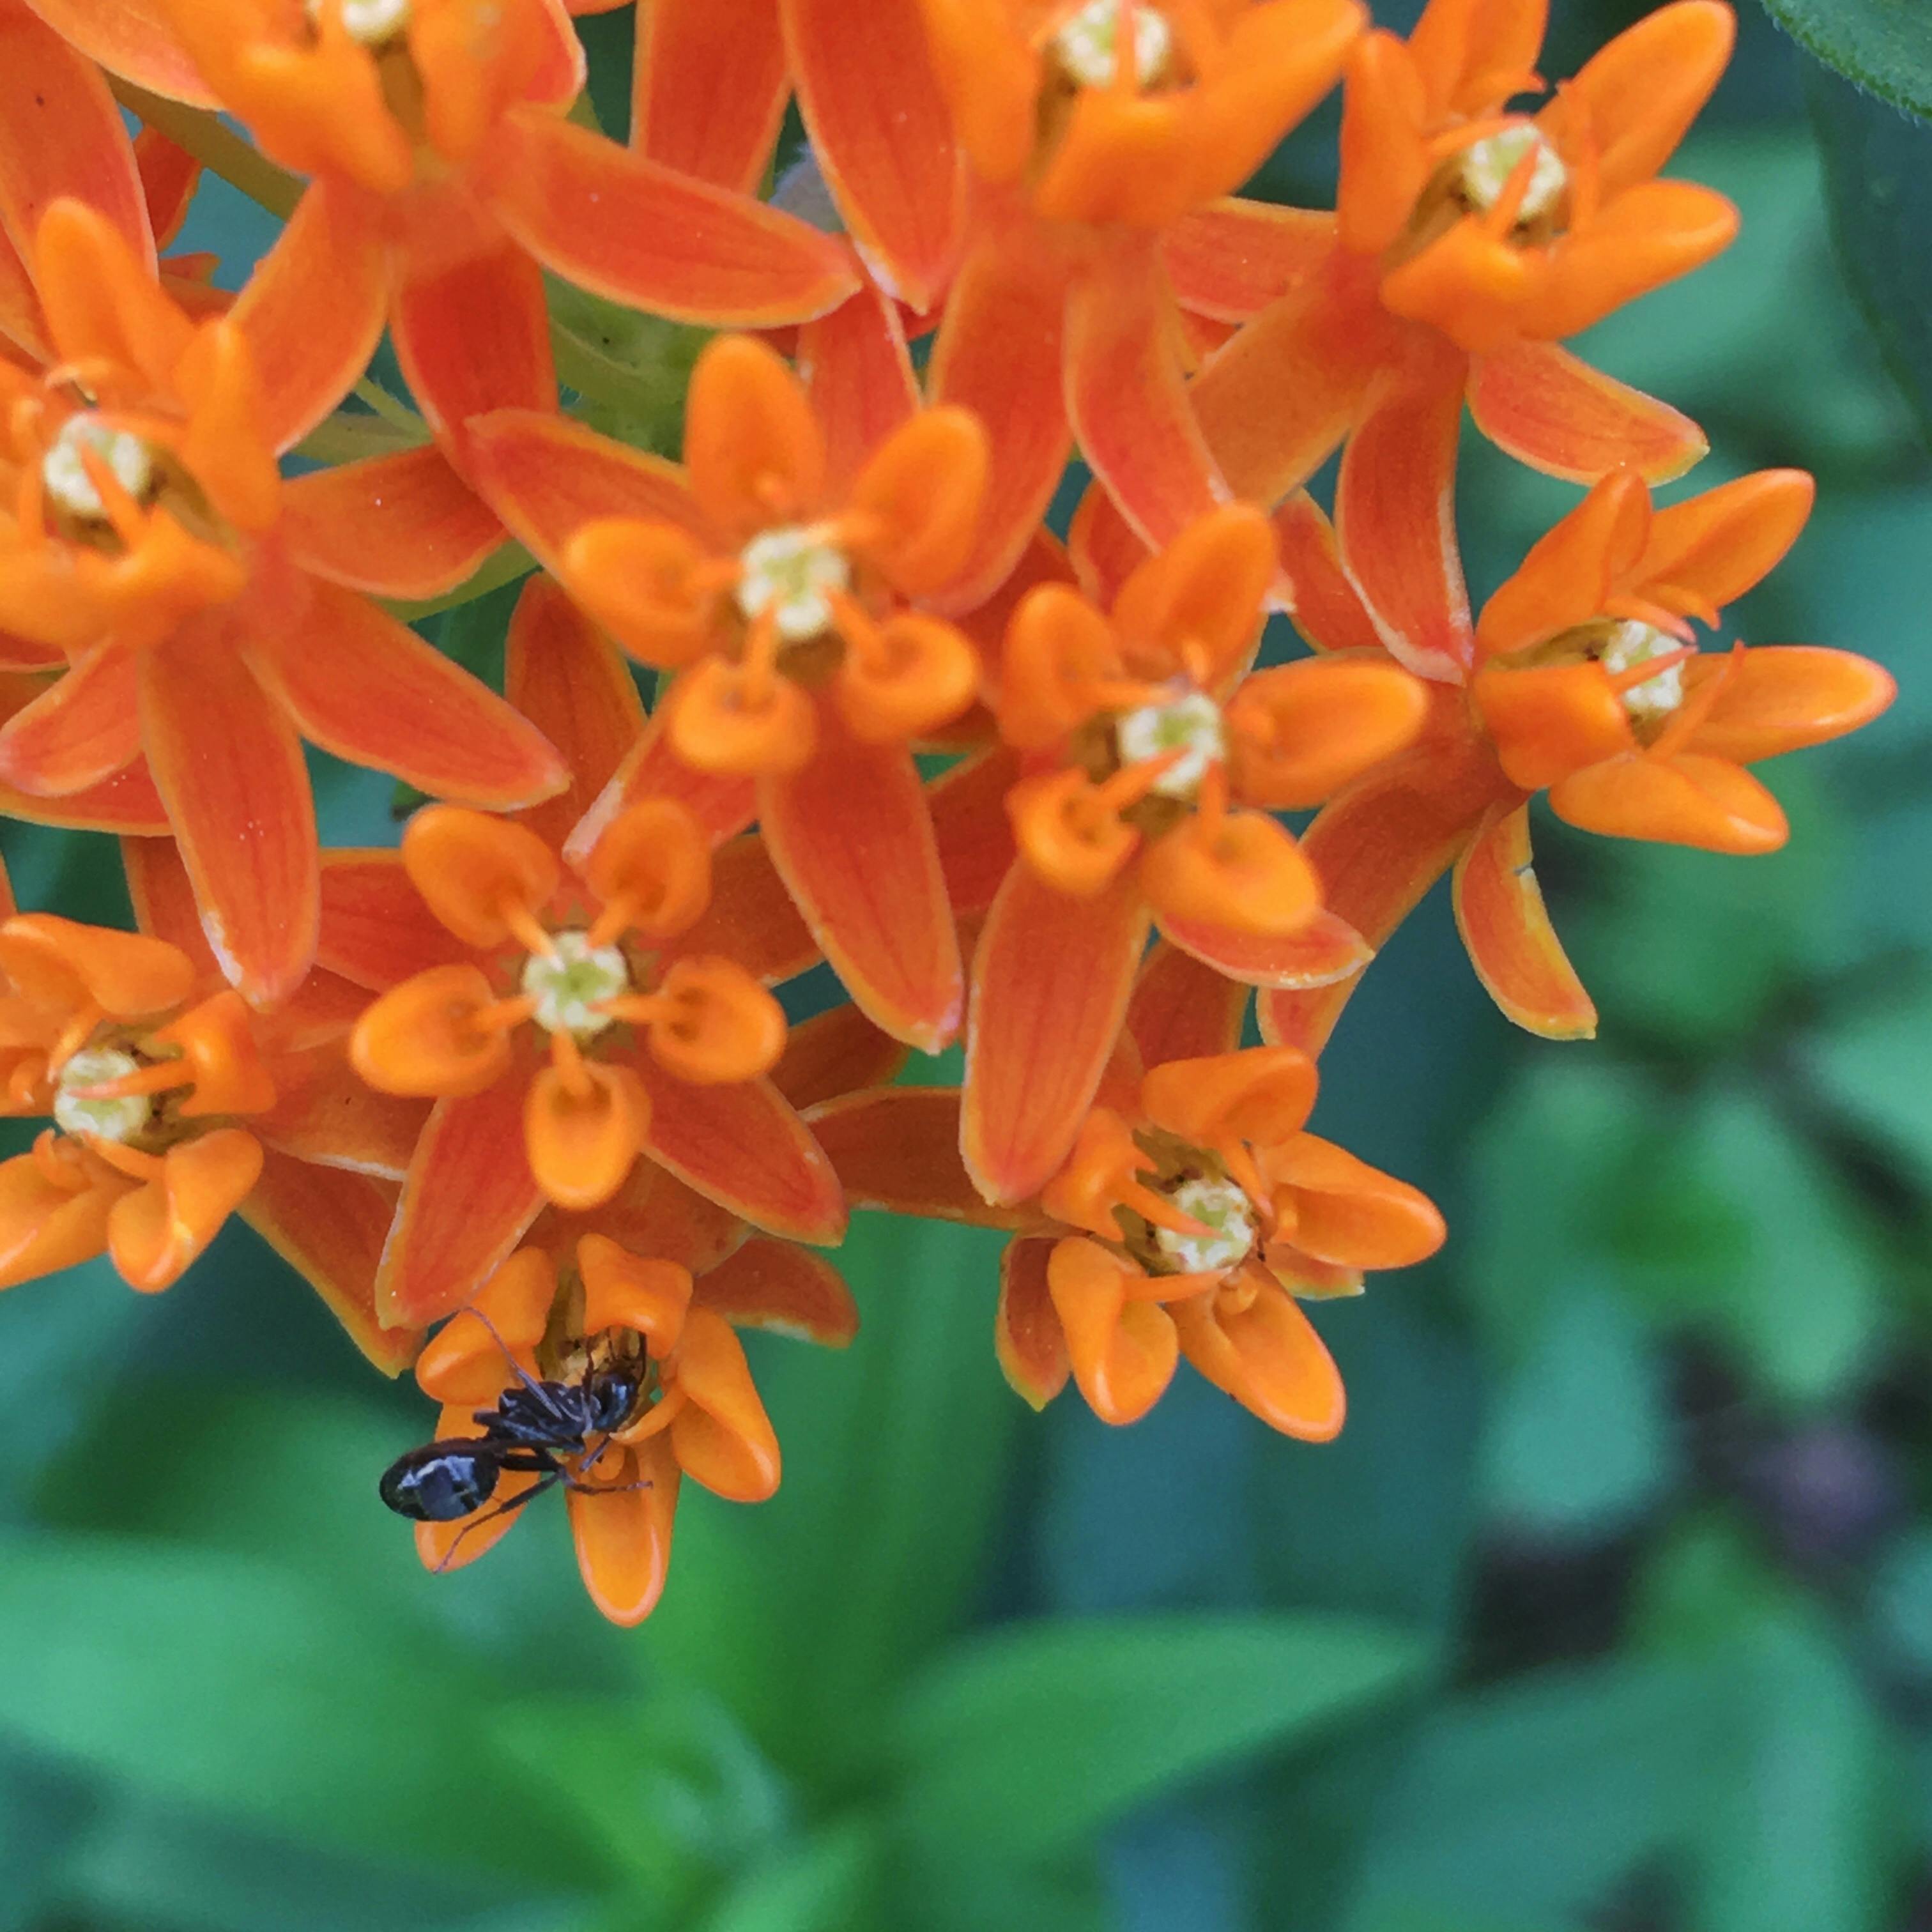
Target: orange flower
{"type": "Point", "coordinates": [1192, 1213]}
{"type": "Point", "coordinates": [1151, 765]}
{"type": "Point", "coordinates": [446, 176]}
{"type": "Point", "coordinates": [1092, 128]}
{"type": "Point", "coordinates": [1590, 684]}
{"type": "Point", "coordinates": [564, 1018]}
{"type": "Point", "coordinates": [655, 1287]}
{"type": "Point", "coordinates": [200, 612]}
{"type": "Point", "coordinates": [772, 574]}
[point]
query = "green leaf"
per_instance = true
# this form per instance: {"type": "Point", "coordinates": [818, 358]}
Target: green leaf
{"type": "Point", "coordinates": [1021, 1744]}
{"type": "Point", "coordinates": [229, 1684]}
{"type": "Point", "coordinates": [1902, 1603]}
{"type": "Point", "coordinates": [825, 1885]}
{"type": "Point", "coordinates": [1872, 1068]}
{"type": "Point", "coordinates": [1876, 164]}
{"type": "Point", "coordinates": [1881, 44]}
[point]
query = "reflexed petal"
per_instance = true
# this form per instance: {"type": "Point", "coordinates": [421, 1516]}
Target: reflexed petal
{"type": "Point", "coordinates": [1780, 697]}
{"type": "Point", "coordinates": [850, 835]}
{"type": "Point", "coordinates": [228, 766]}
{"type": "Point", "coordinates": [784, 1289]}
{"type": "Point", "coordinates": [723, 806]}
{"type": "Point", "coordinates": [163, 900]}
{"type": "Point", "coordinates": [722, 1437]}
{"type": "Point", "coordinates": [1683, 799]}
{"type": "Point", "coordinates": [366, 688]}
{"type": "Point", "coordinates": [1327, 609]}
{"type": "Point", "coordinates": [131, 37]}
{"type": "Point", "coordinates": [1516, 952]}
{"type": "Point", "coordinates": [837, 1051]}
{"type": "Point", "coordinates": [708, 87]}
{"type": "Point", "coordinates": [313, 308]}
{"type": "Point", "coordinates": [1721, 544]}
{"type": "Point", "coordinates": [1269, 1359]}
{"type": "Point", "coordinates": [1026, 1335]}
{"type": "Point", "coordinates": [469, 1196]}
{"type": "Point", "coordinates": [627, 228]}
{"type": "Point", "coordinates": [330, 1227]}
{"type": "Point", "coordinates": [334, 1120]}
{"type": "Point", "coordinates": [968, 805]}
{"type": "Point", "coordinates": [1326, 950]}
{"type": "Point", "coordinates": [1395, 515]}
{"type": "Point", "coordinates": [1548, 409]}
{"type": "Point", "coordinates": [1184, 1009]}
{"type": "Point", "coordinates": [169, 175]}
{"type": "Point", "coordinates": [404, 526]}
{"type": "Point", "coordinates": [1052, 977]}
{"type": "Point", "coordinates": [897, 1148]}
{"type": "Point", "coordinates": [622, 1529]}
{"type": "Point", "coordinates": [1231, 259]}
{"type": "Point", "coordinates": [860, 375]}
{"type": "Point", "coordinates": [80, 731]}
{"type": "Point", "coordinates": [881, 132]}
{"type": "Point", "coordinates": [1123, 1353]}
{"type": "Point", "coordinates": [376, 929]}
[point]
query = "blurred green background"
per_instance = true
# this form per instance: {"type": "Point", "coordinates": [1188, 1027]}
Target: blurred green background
{"type": "Point", "coordinates": [1611, 1610]}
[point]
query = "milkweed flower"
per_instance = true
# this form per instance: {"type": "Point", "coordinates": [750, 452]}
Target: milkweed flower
{"type": "Point", "coordinates": [1587, 683]}
{"type": "Point", "coordinates": [773, 576]}
{"type": "Point", "coordinates": [1192, 1215]}
{"type": "Point", "coordinates": [1091, 129]}
{"type": "Point", "coordinates": [563, 1018]}
{"type": "Point", "coordinates": [445, 179]}
{"type": "Point", "coordinates": [1149, 766]}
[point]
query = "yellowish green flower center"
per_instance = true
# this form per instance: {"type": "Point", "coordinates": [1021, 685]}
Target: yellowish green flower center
{"type": "Point", "coordinates": [794, 573]}
{"type": "Point", "coordinates": [1488, 164]}
{"type": "Point", "coordinates": [570, 984]}
{"type": "Point", "coordinates": [1191, 724]}
{"type": "Point", "coordinates": [1088, 46]}
{"type": "Point", "coordinates": [373, 22]}
{"type": "Point", "coordinates": [64, 469]}
{"type": "Point", "coordinates": [108, 1120]}
{"type": "Point", "coordinates": [1631, 644]}
{"type": "Point", "coordinates": [1220, 1207]}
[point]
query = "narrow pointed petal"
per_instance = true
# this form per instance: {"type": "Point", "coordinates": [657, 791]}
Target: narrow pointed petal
{"type": "Point", "coordinates": [162, 897]}
{"type": "Point", "coordinates": [1327, 609]}
{"type": "Point", "coordinates": [724, 805]}
{"type": "Point", "coordinates": [370, 690]}
{"type": "Point", "coordinates": [329, 1227]}
{"type": "Point", "coordinates": [1126, 396]}
{"type": "Point", "coordinates": [837, 1051]}
{"type": "Point", "coordinates": [851, 835]}
{"type": "Point", "coordinates": [313, 308]}
{"type": "Point", "coordinates": [881, 131]}
{"type": "Point", "coordinates": [744, 1148]}
{"type": "Point", "coordinates": [975, 835]}
{"type": "Point", "coordinates": [1269, 1359]}
{"type": "Point", "coordinates": [1395, 515]}
{"type": "Point", "coordinates": [708, 87]}
{"type": "Point", "coordinates": [1721, 544]}
{"type": "Point", "coordinates": [131, 38]}
{"type": "Point", "coordinates": [1326, 950]}
{"type": "Point", "coordinates": [331, 1119]}
{"type": "Point", "coordinates": [569, 681]}
{"type": "Point", "coordinates": [751, 918]}
{"type": "Point", "coordinates": [169, 175]}
{"type": "Point", "coordinates": [1027, 1338]}
{"type": "Point", "coordinates": [859, 374]}
{"type": "Point", "coordinates": [228, 766]}
{"type": "Point", "coordinates": [623, 1532]}
{"type": "Point", "coordinates": [897, 1148]}
{"type": "Point", "coordinates": [61, 134]}
{"type": "Point", "coordinates": [785, 1289]}
{"type": "Point", "coordinates": [79, 731]}
{"type": "Point", "coordinates": [999, 353]}
{"type": "Point", "coordinates": [22, 326]}
{"type": "Point", "coordinates": [1781, 697]}
{"type": "Point", "coordinates": [405, 526]}
{"type": "Point", "coordinates": [1052, 977]}
{"type": "Point", "coordinates": [1500, 912]}
{"type": "Point", "coordinates": [1686, 799]}
{"type": "Point", "coordinates": [1229, 261]}
{"type": "Point", "coordinates": [1545, 407]}
{"type": "Point", "coordinates": [468, 1197]}
{"type": "Point", "coordinates": [1182, 1009]}
{"type": "Point", "coordinates": [376, 929]}
{"type": "Point", "coordinates": [626, 228]}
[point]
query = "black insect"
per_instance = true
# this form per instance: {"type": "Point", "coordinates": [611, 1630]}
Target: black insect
{"type": "Point", "coordinates": [536, 1429]}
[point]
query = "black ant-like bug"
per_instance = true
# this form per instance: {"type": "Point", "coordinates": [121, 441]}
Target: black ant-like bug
{"type": "Point", "coordinates": [536, 1429]}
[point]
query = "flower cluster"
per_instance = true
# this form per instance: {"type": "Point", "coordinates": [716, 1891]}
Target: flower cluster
{"type": "Point", "coordinates": [524, 1076]}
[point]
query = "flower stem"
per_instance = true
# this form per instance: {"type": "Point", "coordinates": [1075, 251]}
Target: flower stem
{"type": "Point", "coordinates": [217, 149]}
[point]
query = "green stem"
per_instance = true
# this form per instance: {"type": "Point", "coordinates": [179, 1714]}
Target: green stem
{"type": "Point", "coordinates": [217, 149]}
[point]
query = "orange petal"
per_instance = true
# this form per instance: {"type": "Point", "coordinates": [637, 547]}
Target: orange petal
{"type": "Point", "coordinates": [1231, 259]}
{"type": "Point", "coordinates": [1183, 1009]}
{"type": "Point", "coordinates": [1245, 872]}
{"type": "Point", "coordinates": [652, 769]}
{"type": "Point", "coordinates": [751, 918]}
{"type": "Point", "coordinates": [368, 689]}
{"type": "Point", "coordinates": [970, 822]}
{"type": "Point", "coordinates": [1571, 570]}
{"type": "Point", "coordinates": [1548, 720]}
{"type": "Point", "coordinates": [229, 768]}
{"type": "Point", "coordinates": [897, 1148]}
{"type": "Point", "coordinates": [56, 963]}
{"type": "Point", "coordinates": [1384, 158]}
{"type": "Point", "coordinates": [1027, 1338]}
{"type": "Point", "coordinates": [709, 87]}
{"type": "Point", "coordinates": [163, 899]}
{"type": "Point", "coordinates": [402, 526]}
{"type": "Point", "coordinates": [837, 1051]}
{"type": "Point", "coordinates": [858, 371]}
{"type": "Point", "coordinates": [1500, 913]}
{"type": "Point", "coordinates": [467, 1198]}
{"type": "Point", "coordinates": [726, 1027]}
{"type": "Point", "coordinates": [1350, 1213]}
{"type": "Point", "coordinates": [1327, 610]}
{"type": "Point", "coordinates": [1324, 950]}
{"type": "Point", "coordinates": [422, 1038]}
{"type": "Point", "coordinates": [46, 1226]}
{"type": "Point", "coordinates": [1718, 545]}
{"type": "Point", "coordinates": [645, 583]}
{"type": "Point", "coordinates": [1263, 1095]}
{"type": "Point", "coordinates": [622, 1529]}
{"type": "Point", "coordinates": [623, 1290]}
{"type": "Point", "coordinates": [98, 293]}
{"type": "Point", "coordinates": [722, 1437]}
{"type": "Point", "coordinates": [913, 675]}
{"type": "Point", "coordinates": [1269, 1359]}
{"type": "Point", "coordinates": [132, 38]}
{"type": "Point", "coordinates": [1683, 799]}
{"type": "Point", "coordinates": [80, 731]}
{"type": "Point", "coordinates": [169, 175]}
{"type": "Point", "coordinates": [375, 930]}
{"type": "Point", "coordinates": [881, 132]}
{"type": "Point", "coordinates": [926, 485]}
{"type": "Point", "coordinates": [155, 1232]}
{"type": "Point", "coordinates": [468, 1363]}
{"type": "Point", "coordinates": [851, 835]}
{"type": "Point", "coordinates": [726, 720]}
{"type": "Point", "coordinates": [1463, 49]}
{"type": "Point", "coordinates": [582, 1135]}
{"type": "Point", "coordinates": [654, 861]}
{"type": "Point", "coordinates": [1547, 408]}
{"type": "Point", "coordinates": [471, 868]}
{"type": "Point", "coordinates": [333, 1118]}
{"type": "Point", "coordinates": [1395, 515]}
{"type": "Point", "coordinates": [1650, 235]}
{"type": "Point", "coordinates": [1301, 731]}
{"type": "Point", "coordinates": [563, 675]}
{"type": "Point", "coordinates": [1204, 590]}
{"type": "Point", "coordinates": [1780, 697]}
{"type": "Point", "coordinates": [1052, 977]}
{"type": "Point", "coordinates": [1123, 1353]}
{"type": "Point", "coordinates": [635, 232]}
{"type": "Point", "coordinates": [753, 447]}
{"type": "Point", "coordinates": [784, 1289]}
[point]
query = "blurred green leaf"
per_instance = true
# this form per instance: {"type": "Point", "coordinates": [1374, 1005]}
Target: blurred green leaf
{"type": "Point", "coordinates": [1901, 1603]}
{"type": "Point", "coordinates": [1581, 1443]}
{"type": "Point", "coordinates": [1706, 1581]}
{"type": "Point", "coordinates": [1875, 163]}
{"type": "Point", "coordinates": [1021, 1743]}
{"type": "Point", "coordinates": [1881, 44]}
{"type": "Point", "coordinates": [1872, 1066]}
{"type": "Point", "coordinates": [208, 1679]}
{"type": "Point", "coordinates": [826, 1884]}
